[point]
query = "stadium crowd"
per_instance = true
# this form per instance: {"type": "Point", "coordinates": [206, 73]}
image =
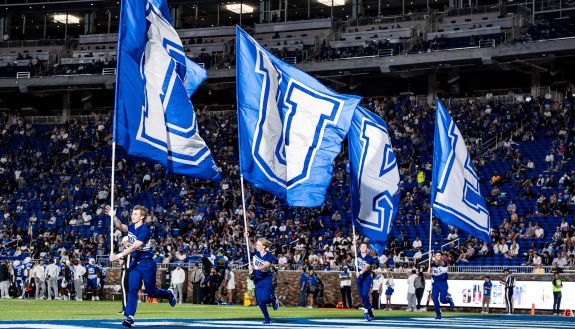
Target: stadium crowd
{"type": "Point", "coordinates": [56, 183]}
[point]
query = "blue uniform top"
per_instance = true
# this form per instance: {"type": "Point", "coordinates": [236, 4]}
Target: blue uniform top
{"type": "Point", "coordinates": [92, 271]}
{"type": "Point", "coordinates": [439, 271]}
{"type": "Point", "coordinates": [365, 260]}
{"type": "Point", "coordinates": [259, 260]}
{"type": "Point", "coordinates": [487, 292]}
{"type": "Point", "coordinates": [19, 272]}
{"type": "Point", "coordinates": [141, 233]}
{"type": "Point", "coordinates": [103, 272]}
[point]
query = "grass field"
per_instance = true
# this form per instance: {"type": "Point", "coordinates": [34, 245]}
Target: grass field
{"type": "Point", "coordinates": [13, 309]}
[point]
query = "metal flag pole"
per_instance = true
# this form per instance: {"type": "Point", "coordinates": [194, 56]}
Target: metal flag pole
{"type": "Point", "coordinates": [430, 236]}
{"type": "Point", "coordinates": [245, 218]}
{"type": "Point", "coordinates": [112, 184]}
{"type": "Point", "coordinates": [354, 244]}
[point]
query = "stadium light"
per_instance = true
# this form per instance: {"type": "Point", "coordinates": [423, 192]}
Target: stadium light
{"type": "Point", "coordinates": [239, 8]}
{"type": "Point", "coordinates": [61, 18]}
{"type": "Point", "coordinates": [330, 2]}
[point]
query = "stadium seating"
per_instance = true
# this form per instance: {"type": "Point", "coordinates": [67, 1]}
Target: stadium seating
{"type": "Point", "coordinates": [186, 214]}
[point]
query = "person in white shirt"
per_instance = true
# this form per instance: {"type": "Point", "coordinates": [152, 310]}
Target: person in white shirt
{"type": "Point", "coordinates": [539, 231]}
{"type": "Point", "coordinates": [282, 261]}
{"type": "Point", "coordinates": [40, 280]}
{"type": "Point", "coordinates": [230, 285]}
{"type": "Point", "coordinates": [383, 259]}
{"type": "Point", "coordinates": [500, 248]}
{"type": "Point", "coordinates": [513, 250]}
{"type": "Point", "coordinates": [417, 244]}
{"type": "Point", "coordinates": [178, 278]}
{"type": "Point", "coordinates": [52, 272]}
{"type": "Point", "coordinates": [537, 260]}
{"type": "Point", "coordinates": [79, 272]}
{"type": "Point", "coordinates": [411, 298]}
{"type": "Point", "coordinates": [376, 287]}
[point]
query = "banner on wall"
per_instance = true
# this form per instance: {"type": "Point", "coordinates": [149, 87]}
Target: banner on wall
{"type": "Point", "coordinates": [469, 293]}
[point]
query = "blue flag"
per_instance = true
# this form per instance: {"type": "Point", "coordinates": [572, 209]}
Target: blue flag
{"type": "Point", "coordinates": [374, 177]}
{"type": "Point", "coordinates": [290, 125]}
{"type": "Point", "coordinates": [154, 117]}
{"type": "Point", "coordinates": [455, 194]}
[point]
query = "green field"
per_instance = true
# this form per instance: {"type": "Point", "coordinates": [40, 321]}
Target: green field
{"type": "Point", "coordinates": [12, 309]}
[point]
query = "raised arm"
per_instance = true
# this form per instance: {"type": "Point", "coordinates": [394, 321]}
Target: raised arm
{"type": "Point", "coordinates": [117, 221]}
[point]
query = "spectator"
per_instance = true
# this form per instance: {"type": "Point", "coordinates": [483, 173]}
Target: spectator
{"type": "Point", "coordinates": [197, 280]}
{"type": "Point", "coordinates": [178, 277]}
{"type": "Point", "coordinates": [40, 279]}
{"type": "Point", "coordinates": [539, 269]}
{"type": "Point", "coordinates": [411, 297]}
{"type": "Point", "coordinates": [303, 287]}
{"type": "Point", "coordinates": [312, 288]}
{"type": "Point", "coordinates": [487, 285]}
{"type": "Point", "coordinates": [376, 289]}
{"type": "Point", "coordinates": [231, 286]}
{"type": "Point", "coordinates": [345, 287]}
{"type": "Point", "coordinates": [419, 289]}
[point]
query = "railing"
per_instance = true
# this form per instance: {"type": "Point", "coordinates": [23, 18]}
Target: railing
{"type": "Point", "coordinates": [472, 10]}
{"type": "Point", "coordinates": [384, 20]}
{"type": "Point", "coordinates": [32, 43]}
{"type": "Point", "coordinates": [290, 60]}
{"type": "Point", "coordinates": [385, 53]}
{"type": "Point", "coordinates": [22, 75]}
{"type": "Point", "coordinates": [489, 43]}
{"type": "Point", "coordinates": [110, 71]}
{"type": "Point", "coordinates": [425, 256]}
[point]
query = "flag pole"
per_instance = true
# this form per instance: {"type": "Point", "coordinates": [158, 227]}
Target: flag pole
{"type": "Point", "coordinates": [240, 156]}
{"type": "Point", "coordinates": [115, 129]}
{"type": "Point", "coordinates": [112, 184]}
{"type": "Point", "coordinates": [245, 218]}
{"type": "Point", "coordinates": [354, 244]}
{"type": "Point", "coordinates": [430, 236]}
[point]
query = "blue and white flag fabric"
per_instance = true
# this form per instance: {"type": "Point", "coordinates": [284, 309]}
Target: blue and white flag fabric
{"type": "Point", "coordinates": [290, 125]}
{"type": "Point", "coordinates": [455, 193]}
{"type": "Point", "coordinates": [154, 117]}
{"type": "Point", "coordinates": [375, 179]}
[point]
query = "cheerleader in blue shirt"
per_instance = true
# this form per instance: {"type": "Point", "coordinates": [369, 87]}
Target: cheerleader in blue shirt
{"type": "Point", "coordinates": [262, 274]}
{"type": "Point", "coordinates": [364, 279]}
{"type": "Point", "coordinates": [439, 287]}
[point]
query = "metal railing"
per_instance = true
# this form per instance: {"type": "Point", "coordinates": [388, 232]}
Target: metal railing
{"type": "Point", "coordinates": [472, 10]}
{"type": "Point", "coordinates": [32, 43]}
{"type": "Point", "coordinates": [489, 43]}
{"type": "Point", "coordinates": [109, 71]}
{"type": "Point", "coordinates": [22, 75]}
{"type": "Point", "coordinates": [385, 20]}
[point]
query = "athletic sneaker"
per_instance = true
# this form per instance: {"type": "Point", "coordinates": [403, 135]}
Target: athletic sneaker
{"type": "Point", "coordinates": [366, 316]}
{"type": "Point", "coordinates": [451, 305]}
{"type": "Point", "coordinates": [438, 317]}
{"type": "Point", "coordinates": [128, 322]}
{"type": "Point", "coordinates": [121, 312]}
{"type": "Point", "coordinates": [276, 304]}
{"type": "Point", "coordinates": [267, 322]}
{"type": "Point", "coordinates": [172, 298]}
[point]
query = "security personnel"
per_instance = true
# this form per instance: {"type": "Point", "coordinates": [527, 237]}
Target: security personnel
{"type": "Point", "coordinates": [557, 285]}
